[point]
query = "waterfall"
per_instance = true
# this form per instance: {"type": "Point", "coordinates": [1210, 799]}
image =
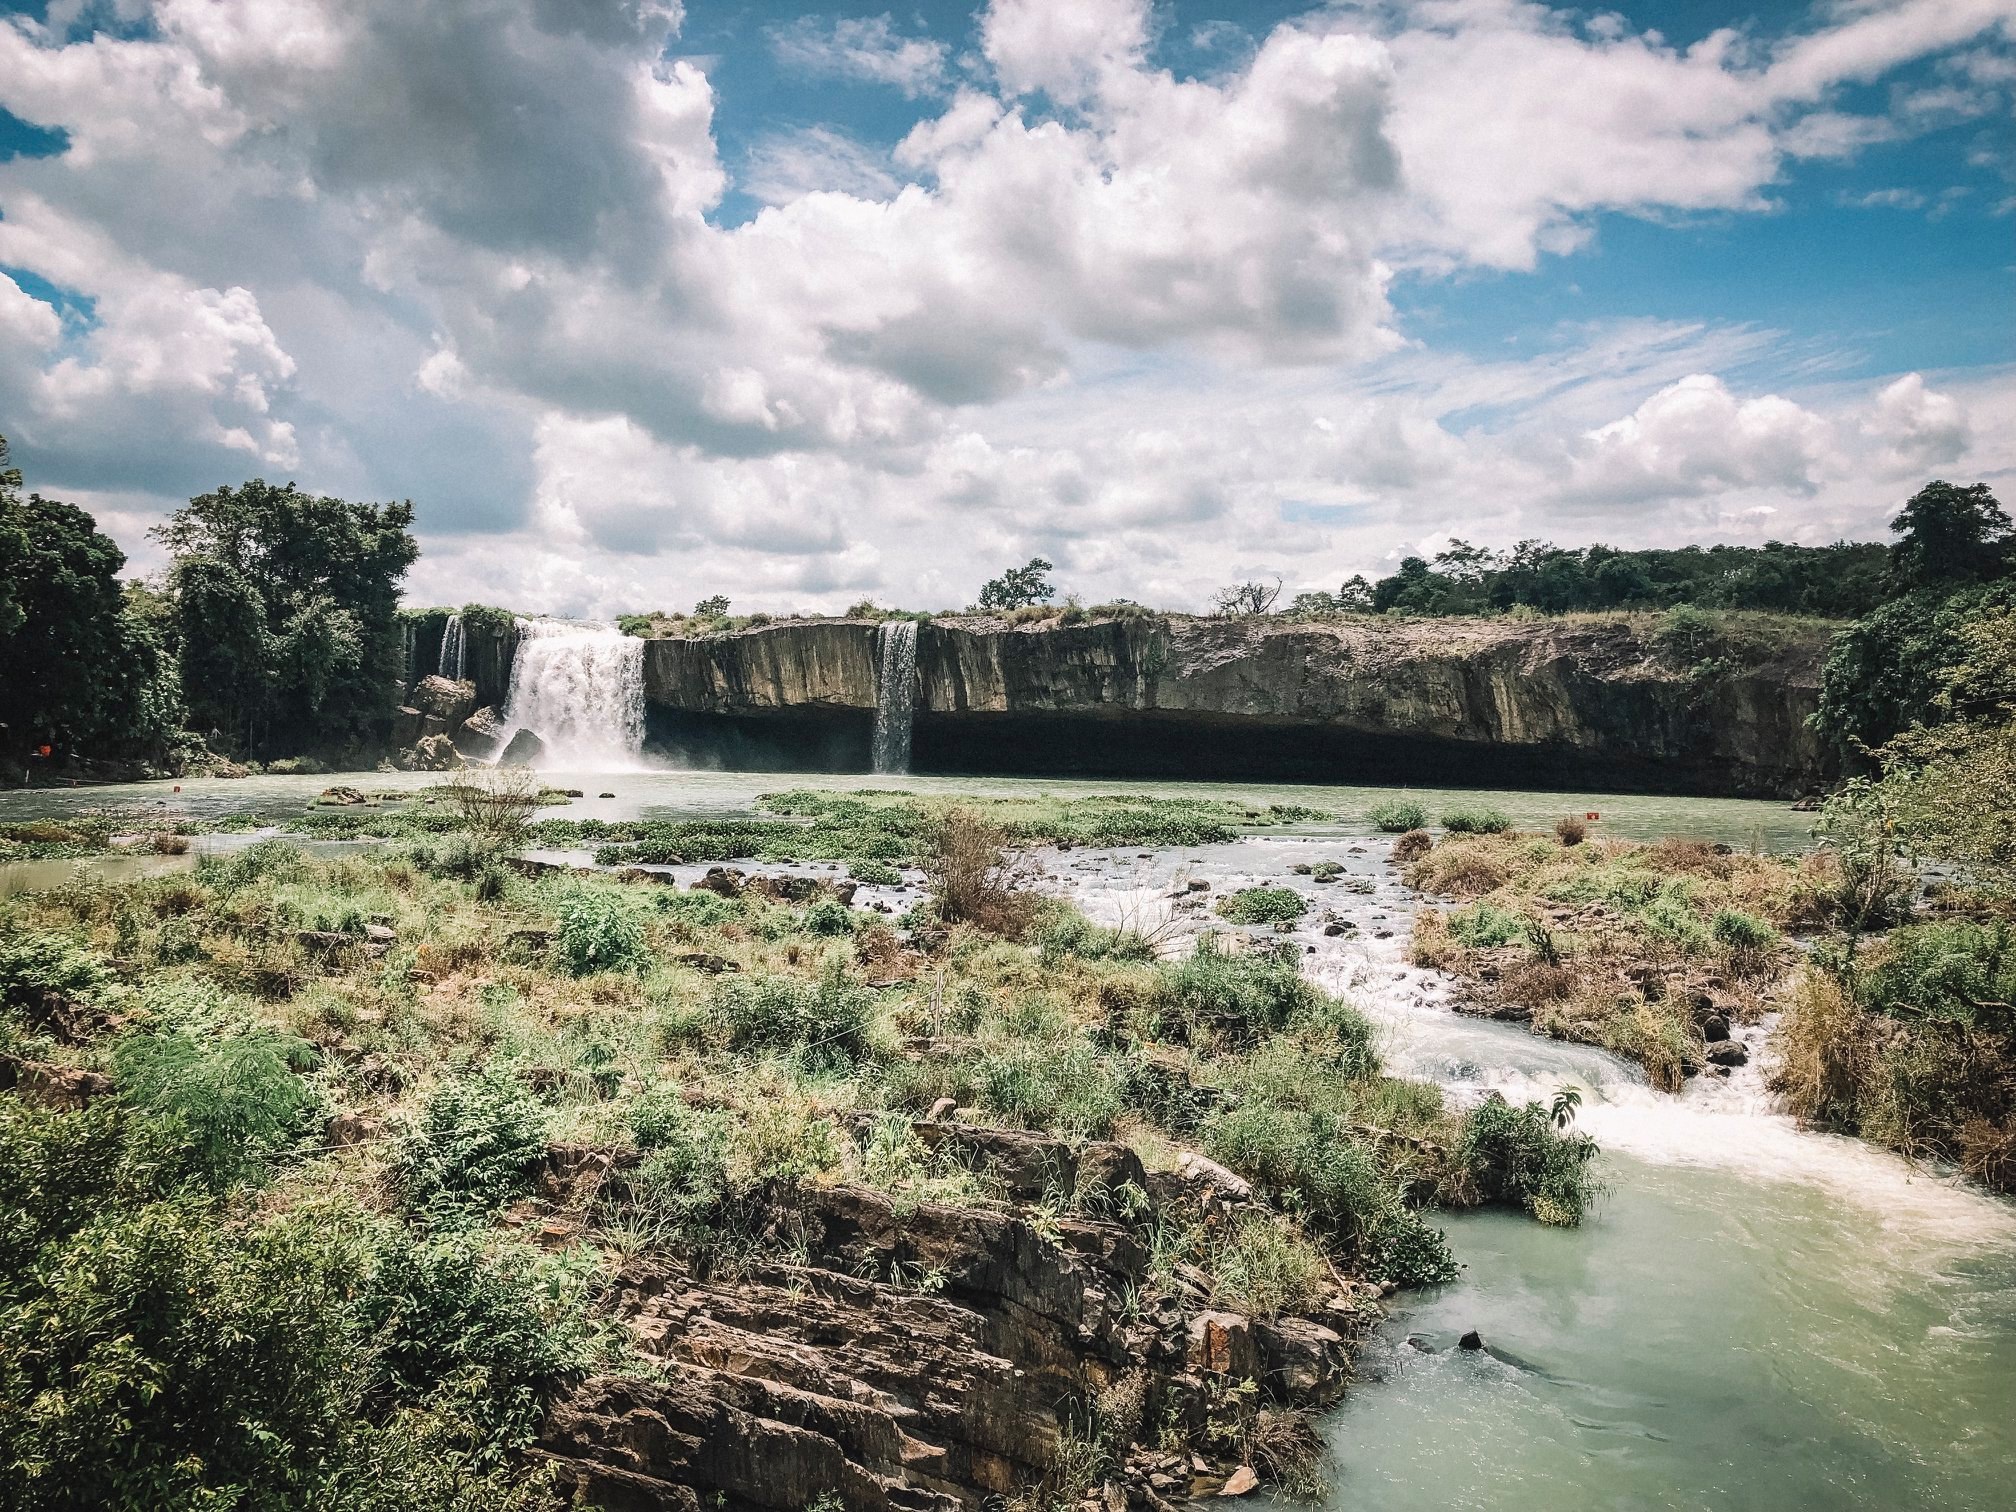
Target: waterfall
{"type": "Point", "coordinates": [895, 693]}
{"type": "Point", "coordinates": [407, 650]}
{"type": "Point", "coordinates": [579, 688]}
{"type": "Point", "coordinates": [454, 650]}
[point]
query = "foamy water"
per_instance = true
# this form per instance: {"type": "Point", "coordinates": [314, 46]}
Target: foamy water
{"type": "Point", "coordinates": [580, 688]}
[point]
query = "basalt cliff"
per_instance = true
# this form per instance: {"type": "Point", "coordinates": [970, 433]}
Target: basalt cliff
{"type": "Point", "coordinates": [1580, 702]}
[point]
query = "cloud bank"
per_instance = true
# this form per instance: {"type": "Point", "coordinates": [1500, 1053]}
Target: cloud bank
{"type": "Point", "coordinates": [474, 253]}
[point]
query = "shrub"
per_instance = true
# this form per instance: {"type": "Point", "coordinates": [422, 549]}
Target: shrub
{"type": "Point", "coordinates": [876, 874]}
{"type": "Point", "coordinates": [1959, 971]}
{"type": "Point", "coordinates": [829, 917]}
{"type": "Point", "coordinates": [1480, 926]}
{"type": "Point", "coordinates": [35, 965]}
{"type": "Point", "coordinates": [1411, 846]}
{"type": "Point", "coordinates": [472, 1146]}
{"type": "Point", "coordinates": [1067, 1087]}
{"type": "Point", "coordinates": [1748, 939]}
{"type": "Point", "coordinates": [972, 879]}
{"type": "Point", "coordinates": [1073, 935]}
{"type": "Point", "coordinates": [230, 1103]}
{"type": "Point", "coordinates": [501, 1322]}
{"type": "Point", "coordinates": [1516, 1156]}
{"type": "Point", "coordinates": [1571, 830]}
{"type": "Point", "coordinates": [1475, 821]}
{"type": "Point", "coordinates": [599, 931]}
{"type": "Point", "coordinates": [164, 1358]}
{"type": "Point", "coordinates": [1263, 905]}
{"type": "Point", "coordinates": [825, 1022]}
{"type": "Point", "coordinates": [1243, 994]}
{"type": "Point", "coordinates": [684, 1176]}
{"type": "Point", "coordinates": [1395, 816]}
{"type": "Point", "coordinates": [1262, 1267]}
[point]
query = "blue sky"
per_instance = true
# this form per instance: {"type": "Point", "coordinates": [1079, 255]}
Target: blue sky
{"type": "Point", "coordinates": [806, 302]}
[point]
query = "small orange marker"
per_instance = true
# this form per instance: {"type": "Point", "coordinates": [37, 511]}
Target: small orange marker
{"type": "Point", "coordinates": [1592, 814]}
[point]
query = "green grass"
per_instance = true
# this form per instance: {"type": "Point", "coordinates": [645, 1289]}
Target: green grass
{"type": "Point", "coordinates": [1263, 905]}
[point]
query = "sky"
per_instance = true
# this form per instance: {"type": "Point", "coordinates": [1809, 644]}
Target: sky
{"type": "Point", "coordinates": [640, 302]}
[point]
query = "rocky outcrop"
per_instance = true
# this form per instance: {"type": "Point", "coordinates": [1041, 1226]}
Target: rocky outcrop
{"type": "Point", "coordinates": [930, 1357]}
{"type": "Point", "coordinates": [1589, 701]}
{"type": "Point", "coordinates": [525, 749]}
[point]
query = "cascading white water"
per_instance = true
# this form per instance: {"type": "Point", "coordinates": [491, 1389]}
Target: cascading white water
{"type": "Point", "coordinates": [895, 693]}
{"type": "Point", "coordinates": [580, 689]}
{"type": "Point", "coordinates": [406, 653]}
{"type": "Point", "coordinates": [454, 649]}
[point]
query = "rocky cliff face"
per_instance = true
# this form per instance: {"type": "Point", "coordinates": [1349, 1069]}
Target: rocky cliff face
{"type": "Point", "coordinates": [1584, 702]}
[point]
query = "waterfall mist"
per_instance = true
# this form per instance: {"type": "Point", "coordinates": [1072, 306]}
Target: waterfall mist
{"type": "Point", "coordinates": [579, 688]}
{"type": "Point", "coordinates": [895, 694]}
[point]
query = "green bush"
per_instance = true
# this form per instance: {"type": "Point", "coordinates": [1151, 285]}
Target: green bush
{"type": "Point", "coordinates": [229, 1103]}
{"type": "Point", "coordinates": [1263, 905]}
{"type": "Point", "coordinates": [1475, 821]}
{"type": "Point", "coordinates": [1396, 816]}
{"type": "Point", "coordinates": [472, 1146]}
{"type": "Point", "coordinates": [499, 1323]}
{"type": "Point", "coordinates": [1959, 972]}
{"type": "Point", "coordinates": [599, 931]}
{"type": "Point", "coordinates": [160, 1357]}
{"type": "Point", "coordinates": [829, 917]}
{"type": "Point", "coordinates": [34, 963]}
{"type": "Point", "coordinates": [1481, 926]}
{"type": "Point", "coordinates": [825, 1023]}
{"type": "Point", "coordinates": [1073, 935]}
{"type": "Point", "coordinates": [1245, 994]}
{"type": "Point", "coordinates": [1517, 1157]}
{"type": "Point", "coordinates": [1741, 931]}
{"type": "Point", "coordinates": [876, 874]}
{"type": "Point", "coordinates": [1067, 1088]}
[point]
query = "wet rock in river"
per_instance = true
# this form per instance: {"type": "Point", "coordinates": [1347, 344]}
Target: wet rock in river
{"type": "Point", "coordinates": [1471, 1340]}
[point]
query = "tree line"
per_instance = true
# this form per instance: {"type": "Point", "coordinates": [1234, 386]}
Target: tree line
{"type": "Point", "coordinates": [274, 628]}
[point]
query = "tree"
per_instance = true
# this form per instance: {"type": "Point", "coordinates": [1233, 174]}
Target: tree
{"type": "Point", "coordinates": [715, 607]}
{"type": "Point", "coordinates": [1244, 599]}
{"type": "Point", "coordinates": [287, 612]}
{"type": "Point", "coordinates": [1948, 535]}
{"type": "Point", "coordinates": [1019, 587]}
{"type": "Point", "coordinates": [75, 665]}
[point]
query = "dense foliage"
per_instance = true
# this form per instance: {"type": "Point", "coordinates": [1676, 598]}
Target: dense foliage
{"type": "Point", "coordinates": [79, 663]}
{"type": "Point", "coordinates": [1837, 581]}
{"type": "Point", "coordinates": [287, 609]}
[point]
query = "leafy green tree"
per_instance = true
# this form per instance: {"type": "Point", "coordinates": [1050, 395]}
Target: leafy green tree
{"type": "Point", "coordinates": [287, 612]}
{"type": "Point", "coordinates": [76, 663]}
{"type": "Point", "coordinates": [1019, 587]}
{"type": "Point", "coordinates": [1948, 535]}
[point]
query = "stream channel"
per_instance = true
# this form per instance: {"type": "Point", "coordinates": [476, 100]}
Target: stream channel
{"type": "Point", "coordinates": [1754, 1316]}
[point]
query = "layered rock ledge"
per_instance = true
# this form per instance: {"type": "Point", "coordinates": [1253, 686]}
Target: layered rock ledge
{"type": "Point", "coordinates": [1587, 702]}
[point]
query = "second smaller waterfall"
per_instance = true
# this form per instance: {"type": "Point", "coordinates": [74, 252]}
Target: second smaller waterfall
{"type": "Point", "coordinates": [895, 693]}
{"type": "Point", "coordinates": [454, 649]}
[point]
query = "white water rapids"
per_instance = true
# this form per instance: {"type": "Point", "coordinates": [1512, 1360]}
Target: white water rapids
{"type": "Point", "coordinates": [1755, 1316]}
{"type": "Point", "coordinates": [580, 688]}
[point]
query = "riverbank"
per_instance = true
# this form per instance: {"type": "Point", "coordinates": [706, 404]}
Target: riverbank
{"type": "Point", "coordinates": [646, 1122]}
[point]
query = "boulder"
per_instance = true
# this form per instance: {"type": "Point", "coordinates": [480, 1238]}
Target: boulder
{"type": "Point", "coordinates": [526, 749]}
{"type": "Point", "coordinates": [444, 699]}
{"type": "Point", "coordinates": [433, 753]}
{"type": "Point", "coordinates": [1728, 1052]}
{"type": "Point", "coordinates": [405, 726]}
{"type": "Point", "coordinates": [1222, 1343]}
{"type": "Point", "coordinates": [481, 733]}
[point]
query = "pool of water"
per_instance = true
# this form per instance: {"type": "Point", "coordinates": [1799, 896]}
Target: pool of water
{"type": "Point", "coordinates": [671, 794]}
{"type": "Point", "coordinates": [1755, 1316]}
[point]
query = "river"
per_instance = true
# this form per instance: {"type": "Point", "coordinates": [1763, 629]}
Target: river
{"type": "Point", "coordinates": [1754, 1317]}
